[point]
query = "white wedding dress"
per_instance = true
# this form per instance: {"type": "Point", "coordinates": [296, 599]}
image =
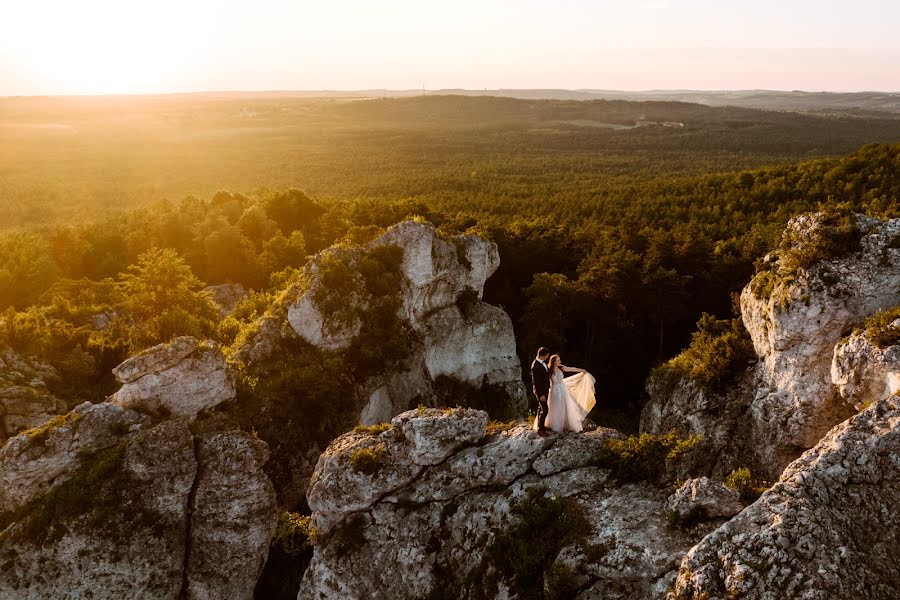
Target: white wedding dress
{"type": "Point", "coordinates": [571, 399]}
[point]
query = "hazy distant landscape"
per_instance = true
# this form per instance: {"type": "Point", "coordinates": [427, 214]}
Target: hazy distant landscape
{"type": "Point", "coordinates": [71, 157]}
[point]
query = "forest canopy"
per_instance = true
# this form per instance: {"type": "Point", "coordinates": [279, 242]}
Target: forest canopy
{"type": "Point", "coordinates": [616, 286]}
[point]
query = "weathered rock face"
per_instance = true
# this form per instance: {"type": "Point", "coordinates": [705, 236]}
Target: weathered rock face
{"type": "Point", "coordinates": [828, 529]}
{"type": "Point", "coordinates": [457, 335]}
{"type": "Point", "coordinates": [30, 464]}
{"type": "Point", "coordinates": [703, 498]}
{"type": "Point", "coordinates": [25, 401]}
{"type": "Point", "coordinates": [105, 505]}
{"type": "Point", "coordinates": [788, 401]}
{"type": "Point", "coordinates": [863, 372]}
{"type": "Point", "coordinates": [178, 379]}
{"type": "Point", "coordinates": [795, 329]}
{"type": "Point", "coordinates": [226, 296]}
{"type": "Point", "coordinates": [233, 517]}
{"type": "Point", "coordinates": [422, 515]}
{"type": "Point", "coordinates": [130, 548]}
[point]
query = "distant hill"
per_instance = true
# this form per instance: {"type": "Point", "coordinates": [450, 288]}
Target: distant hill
{"type": "Point", "coordinates": [860, 103]}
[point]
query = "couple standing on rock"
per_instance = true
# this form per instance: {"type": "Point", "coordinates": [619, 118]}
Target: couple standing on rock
{"type": "Point", "coordinates": [563, 402]}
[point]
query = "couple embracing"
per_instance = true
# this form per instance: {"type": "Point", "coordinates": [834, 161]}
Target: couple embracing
{"type": "Point", "coordinates": [563, 402]}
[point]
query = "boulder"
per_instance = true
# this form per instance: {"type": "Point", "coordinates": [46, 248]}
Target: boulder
{"type": "Point", "coordinates": [179, 379]}
{"type": "Point", "coordinates": [796, 327]}
{"type": "Point", "coordinates": [410, 530]}
{"type": "Point", "coordinates": [863, 372]}
{"type": "Point", "coordinates": [703, 498]}
{"type": "Point", "coordinates": [829, 528]}
{"type": "Point", "coordinates": [233, 517]}
{"type": "Point", "coordinates": [226, 296]}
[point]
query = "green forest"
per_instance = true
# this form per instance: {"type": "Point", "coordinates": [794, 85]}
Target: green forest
{"type": "Point", "coordinates": [619, 224]}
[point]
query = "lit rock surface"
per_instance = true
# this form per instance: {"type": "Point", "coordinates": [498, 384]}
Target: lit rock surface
{"type": "Point", "coordinates": [134, 549]}
{"type": "Point", "coordinates": [702, 498]}
{"type": "Point", "coordinates": [458, 337]}
{"type": "Point", "coordinates": [863, 372]}
{"type": "Point", "coordinates": [170, 516]}
{"type": "Point", "coordinates": [402, 529]}
{"type": "Point", "coordinates": [178, 379]}
{"type": "Point", "coordinates": [233, 517]}
{"type": "Point", "coordinates": [788, 401]}
{"type": "Point", "coordinates": [829, 528]}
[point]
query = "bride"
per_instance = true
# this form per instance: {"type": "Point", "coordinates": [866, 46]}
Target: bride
{"type": "Point", "coordinates": [571, 398]}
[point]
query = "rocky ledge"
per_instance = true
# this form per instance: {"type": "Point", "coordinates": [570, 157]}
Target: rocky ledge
{"type": "Point", "coordinates": [439, 505]}
{"type": "Point", "coordinates": [829, 528]}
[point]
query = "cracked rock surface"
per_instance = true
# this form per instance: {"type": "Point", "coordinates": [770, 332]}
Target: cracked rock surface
{"type": "Point", "coordinates": [829, 528]}
{"type": "Point", "coordinates": [404, 527]}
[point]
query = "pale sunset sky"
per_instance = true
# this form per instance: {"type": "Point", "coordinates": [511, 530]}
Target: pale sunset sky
{"type": "Point", "coordinates": [149, 46]}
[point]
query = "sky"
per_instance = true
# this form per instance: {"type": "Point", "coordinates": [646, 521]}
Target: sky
{"type": "Point", "coordinates": [158, 46]}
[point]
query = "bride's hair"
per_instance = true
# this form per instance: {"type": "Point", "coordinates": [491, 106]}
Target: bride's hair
{"type": "Point", "coordinates": [554, 360]}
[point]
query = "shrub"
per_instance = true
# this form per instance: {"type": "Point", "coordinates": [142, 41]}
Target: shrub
{"type": "Point", "coordinates": [643, 457]}
{"type": "Point", "coordinates": [879, 330]}
{"type": "Point", "coordinates": [367, 460]}
{"type": "Point", "coordinates": [834, 234]}
{"type": "Point", "coordinates": [372, 429]}
{"type": "Point", "coordinates": [38, 435]}
{"type": "Point", "coordinates": [745, 484]}
{"type": "Point", "coordinates": [720, 349]}
{"type": "Point", "coordinates": [528, 547]}
{"type": "Point", "coordinates": [295, 533]}
{"type": "Point", "coordinates": [94, 489]}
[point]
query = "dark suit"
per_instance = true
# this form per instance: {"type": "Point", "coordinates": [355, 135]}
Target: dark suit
{"type": "Point", "coordinates": [540, 385]}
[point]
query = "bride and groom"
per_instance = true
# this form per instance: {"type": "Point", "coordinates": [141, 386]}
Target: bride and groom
{"type": "Point", "coordinates": [563, 402]}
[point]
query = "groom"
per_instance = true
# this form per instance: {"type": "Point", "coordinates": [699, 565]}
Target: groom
{"type": "Point", "coordinates": [540, 384]}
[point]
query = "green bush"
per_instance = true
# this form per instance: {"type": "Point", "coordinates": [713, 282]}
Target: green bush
{"type": "Point", "coordinates": [745, 484]}
{"type": "Point", "coordinates": [295, 533]}
{"type": "Point", "coordinates": [525, 550]}
{"type": "Point", "coordinates": [372, 429]}
{"type": "Point", "coordinates": [367, 460]}
{"type": "Point", "coordinates": [879, 330]}
{"type": "Point", "coordinates": [720, 349]}
{"type": "Point", "coordinates": [643, 457]}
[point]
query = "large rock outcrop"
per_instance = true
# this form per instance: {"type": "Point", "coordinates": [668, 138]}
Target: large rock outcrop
{"type": "Point", "coordinates": [829, 528]}
{"type": "Point", "coordinates": [423, 508]}
{"type": "Point", "coordinates": [105, 504]}
{"type": "Point", "coordinates": [452, 333]}
{"type": "Point", "coordinates": [178, 379]}
{"type": "Point", "coordinates": [825, 280]}
{"type": "Point", "coordinates": [25, 400]}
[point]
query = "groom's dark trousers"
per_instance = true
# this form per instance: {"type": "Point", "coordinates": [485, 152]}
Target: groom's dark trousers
{"type": "Point", "coordinates": [540, 385]}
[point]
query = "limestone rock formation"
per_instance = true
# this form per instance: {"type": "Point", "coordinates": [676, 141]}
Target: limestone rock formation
{"type": "Point", "coordinates": [125, 537]}
{"type": "Point", "coordinates": [25, 400]}
{"type": "Point", "coordinates": [796, 311]}
{"type": "Point", "coordinates": [454, 335]}
{"type": "Point", "coordinates": [226, 296]}
{"type": "Point", "coordinates": [863, 372]}
{"type": "Point", "coordinates": [31, 463]}
{"type": "Point", "coordinates": [178, 379]}
{"type": "Point", "coordinates": [702, 498]}
{"type": "Point", "coordinates": [829, 528]}
{"type": "Point", "coordinates": [423, 507]}
{"type": "Point", "coordinates": [106, 505]}
{"type": "Point", "coordinates": [233, 517]}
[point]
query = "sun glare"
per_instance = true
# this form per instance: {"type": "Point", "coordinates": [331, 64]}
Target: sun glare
{"type": "Point", "coordinates": [101, 46]}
